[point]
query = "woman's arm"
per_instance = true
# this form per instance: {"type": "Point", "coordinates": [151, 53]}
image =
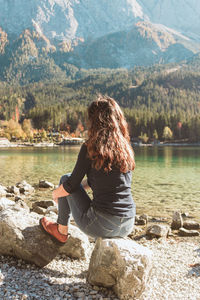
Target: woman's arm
{"type": "Point", "coordinates": [80, 170]}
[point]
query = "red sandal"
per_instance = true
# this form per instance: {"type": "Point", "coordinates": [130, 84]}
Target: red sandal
{"type": "Point", "coordinates": [51, 228]}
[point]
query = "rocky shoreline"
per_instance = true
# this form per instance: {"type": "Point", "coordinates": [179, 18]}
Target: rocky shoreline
{"type": "Point", "coordinates": [4, 143]}
{"type": "Point", "coordinates": [175, 246]}
{"type": "Point", "coordinates": [175, 275]}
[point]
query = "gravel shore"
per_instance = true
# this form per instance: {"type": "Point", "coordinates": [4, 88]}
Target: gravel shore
{"type": "Point", "coordinates": [175, 275]}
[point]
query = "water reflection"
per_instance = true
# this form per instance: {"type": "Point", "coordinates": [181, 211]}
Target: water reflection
{"type": "Point", "coordinates": [165, 178]}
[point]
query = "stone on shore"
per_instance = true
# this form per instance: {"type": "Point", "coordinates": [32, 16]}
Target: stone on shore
{"type": "Point", "coordinates": [22, 237]}
{"type": "Point", "coordinates": [39, 210]}
{"type": "Point", "coordinates": [122, 265]}
{"type": "Point", "coordinates": [25, 188]}
{"type": "Point", "coordinates": [21, 204]}
{"type": "Point", "coordinates": [78, 245]}
{"type": "Point", "coordinates": [52, 209]}
{"type": "Point", "coordinates": [44, 207]}
{"type": "Point", "coordinates": [157, 231]}
{"type": "Point", "coordinates": [43, 203]}
{"type": "Point", "coordinates": [5, 203]}
{"type": "Point", "coordinates": [45, 184]}
{"type": "Point", "coordinates": [177, 221]}
{"type": "Point", "coordinates": [141, 220]}
{"type": "Point", "coordinates": [185, 232]}
{"type": "Point", "coordinates": [13, 190]}
{"type": "Point", "coordinates": [190, 225]}
{"type": "Point", "coordinates": [3, 191]}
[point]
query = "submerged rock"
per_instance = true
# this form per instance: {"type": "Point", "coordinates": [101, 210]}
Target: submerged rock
{"type": "Point", "coordinates": [45, 184]}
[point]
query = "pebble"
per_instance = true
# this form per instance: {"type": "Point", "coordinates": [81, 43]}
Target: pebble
{"type": "Point", "coordinates": [173, 276]}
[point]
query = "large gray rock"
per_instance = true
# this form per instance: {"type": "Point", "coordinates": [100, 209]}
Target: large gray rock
{"type": "Point", "coordinates": [78, 245]}
{"type": "Point", "coordinates": [21, 236]}
{"type": "Point", "coordinates": [121, 264]}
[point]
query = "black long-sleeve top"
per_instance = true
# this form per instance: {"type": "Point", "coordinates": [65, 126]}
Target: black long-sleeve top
{"type": "Point", "coordinates": [111, 191]}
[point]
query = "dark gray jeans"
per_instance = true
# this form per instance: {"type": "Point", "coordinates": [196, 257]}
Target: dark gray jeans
{"type": "Point", "coordinates": [91, 221]}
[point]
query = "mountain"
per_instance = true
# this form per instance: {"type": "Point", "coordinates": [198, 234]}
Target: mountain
{"type": "Point", "coordinates": [56, 34]}
{"type": "Point", "coordinates": [71, 19]}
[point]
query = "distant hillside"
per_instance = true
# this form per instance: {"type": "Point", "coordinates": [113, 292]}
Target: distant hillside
{"type": "Point", "coordinates": [152, 98]}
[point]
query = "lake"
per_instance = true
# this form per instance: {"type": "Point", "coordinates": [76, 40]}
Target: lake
{"type": "Point", "coordinates": [165, 179]}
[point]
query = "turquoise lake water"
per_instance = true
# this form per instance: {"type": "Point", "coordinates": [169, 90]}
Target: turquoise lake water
{"type": "Point", "coordinates": [165, 178]}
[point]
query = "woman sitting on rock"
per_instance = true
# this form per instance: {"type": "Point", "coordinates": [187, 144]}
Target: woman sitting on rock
{"type": "Point", "coordinates": [107, 159]}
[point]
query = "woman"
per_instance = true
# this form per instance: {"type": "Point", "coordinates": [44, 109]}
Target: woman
{"type": "Point", "coordinates": [107, 159]}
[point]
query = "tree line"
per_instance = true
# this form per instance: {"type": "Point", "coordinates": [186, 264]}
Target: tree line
{"type": "Point", "coordinates": [158, 104]}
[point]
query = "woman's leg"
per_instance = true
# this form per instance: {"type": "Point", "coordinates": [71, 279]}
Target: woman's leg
{"type": "Point", "coordinates": [76, 203]}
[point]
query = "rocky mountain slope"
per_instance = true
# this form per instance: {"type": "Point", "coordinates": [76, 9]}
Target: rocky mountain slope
{"type": "Point", "coordinates": [96, 33]}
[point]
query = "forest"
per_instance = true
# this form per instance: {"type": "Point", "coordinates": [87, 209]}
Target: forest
{"type": "Point", "coordinates": [161, 102]}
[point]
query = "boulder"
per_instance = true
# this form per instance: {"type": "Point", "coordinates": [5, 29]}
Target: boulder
{"type": "Point", "coordinates": [25, 188]}
{"type": "Point", "coordinates": [45, 184]}
{"type": "Point", "coordinates": [158, 231]}
{"type": "Point", "coordinates": [177, 221]}
{"type": "Point", "coordinates": [185, 232]}
{"type": "Point", "coordinates": [190, 225]}
{"type": "Point", "coordinates": [122, 265]}
{"type": "Point", "coordinates": [21, 236]}
{"type": "Point", "coordinates": [78, 245]}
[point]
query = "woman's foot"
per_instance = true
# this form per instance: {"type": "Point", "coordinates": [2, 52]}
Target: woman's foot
{"type": "Point", "coordinates": [51, 228]}
{"type": "Point", "coordinates": [63, 229]}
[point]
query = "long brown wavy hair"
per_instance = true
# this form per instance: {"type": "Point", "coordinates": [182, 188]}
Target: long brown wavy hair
{"type": "Point", "coordinates": [108, 142]}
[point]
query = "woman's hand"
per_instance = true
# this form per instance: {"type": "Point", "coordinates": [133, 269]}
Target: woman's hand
{"type": "Point", "coordinates": [59, 192]}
